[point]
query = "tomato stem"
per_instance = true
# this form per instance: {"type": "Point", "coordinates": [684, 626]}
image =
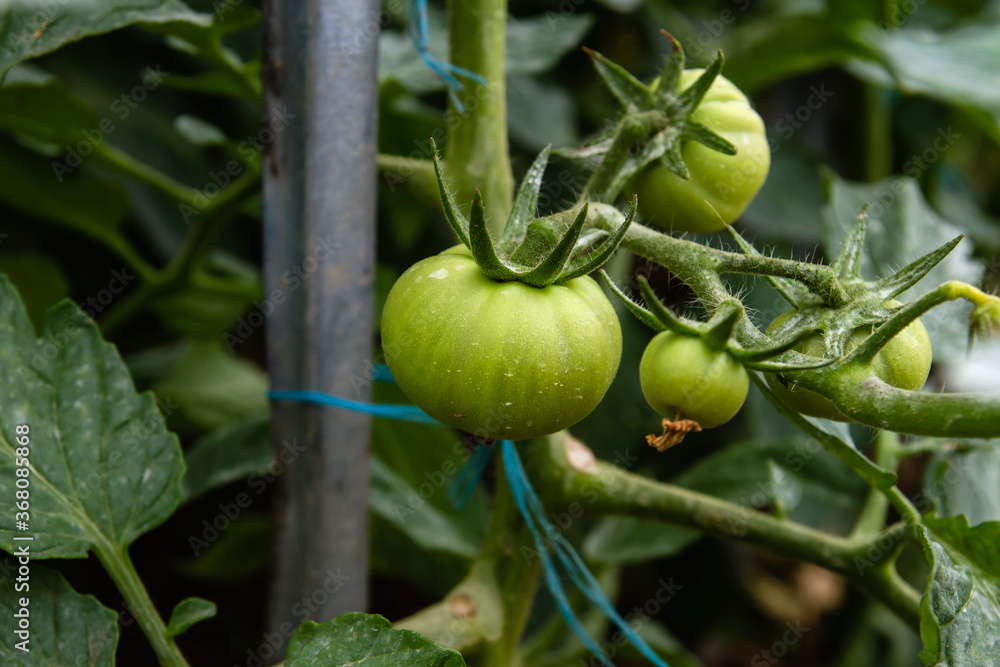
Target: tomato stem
{"type": "Point", "coordinates": [477, 149]}
{"type": "Point", "coordinates": [606, 489]}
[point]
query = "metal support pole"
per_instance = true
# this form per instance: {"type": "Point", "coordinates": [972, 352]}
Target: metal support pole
{"type": "Point", "coordinates": [319, 238]}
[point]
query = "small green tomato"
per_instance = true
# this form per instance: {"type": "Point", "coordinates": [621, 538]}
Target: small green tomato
{"type": "Point", "coordinates": [682, 376]}
{"type": "Point", "coordinates": [500, 360]}
{"type": "Point", "coordinates": [904, 362]}
{"type": "Point", "coordinates": [725, 183]}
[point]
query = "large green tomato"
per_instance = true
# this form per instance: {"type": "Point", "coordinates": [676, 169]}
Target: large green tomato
{"type": "Point", "coordinates": [683, 376]}
{"type": "Point", "coordinates": [500, 360]}
{"type": "Point", "coordinates": [904, 362]}
{"type": "Point", "coordinates": [726, 182]}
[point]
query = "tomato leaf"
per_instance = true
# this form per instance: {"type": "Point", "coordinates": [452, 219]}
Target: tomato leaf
{"type": "Point", "coordinates": [188, 612]}
{"type": "Point", "coordinates": [792, 475]}
{"type": "Point", "coordinates": [960, 610]}
{"type": "Point", "coordinates": [104, 469]}
{"type": "Point", "coordinates": [30, 29]}
{"type": "Point", "coordinates": [364, 640]}
{"type": "Point", "coordinates": [769, 51]}
{"type": "Point", "coordinates": [957, 67]}
{"type": "Point", "coordinates": [536, 44]}
{"type": "Point", "coordinates": [67, 628]}
{"type": "Point", "coordinates": [966, 482]}
{"type": "Point", "coordinates": [431, 528]}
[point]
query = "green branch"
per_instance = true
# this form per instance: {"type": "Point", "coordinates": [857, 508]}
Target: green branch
{"type": "Point", "coordinates": [205, 230]}
{"type": "Point", "coordinates": [119, 566]}
{"type": "Point", "coordinates": [486, 613]}
{"type": "Point", "coordinates": [124, 163]}
{"type": "Point", "coordinates": [477, 149]}
{"type": "Point", "coordinates": [602, 488]}
{"type": "Point", "coordinates": [415, 174]}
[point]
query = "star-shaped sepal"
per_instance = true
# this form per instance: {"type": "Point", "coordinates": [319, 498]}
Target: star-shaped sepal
{"type": "Point", "coordinates": [527, 251]}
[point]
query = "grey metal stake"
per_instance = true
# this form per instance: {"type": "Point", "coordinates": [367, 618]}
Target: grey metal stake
{"type": "Point", "coordinates": [319, 238]}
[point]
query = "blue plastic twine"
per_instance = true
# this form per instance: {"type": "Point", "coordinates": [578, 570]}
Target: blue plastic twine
{"type": "Point", "coordinates": [419, 34]}
{"type": "Point", "coordinates": [534, 514]}
{"type": "Point", "coordinates": [528, 504]}
{"type": "Point", "coordinates": [409, 413]}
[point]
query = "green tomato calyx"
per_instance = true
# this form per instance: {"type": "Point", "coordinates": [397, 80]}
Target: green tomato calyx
{"type": "Point", "coordinates": [664, 110]}
{"type": "Point", "coordinates": [525, 252]}
{"type": "Point", "coordinates": [718, 332]}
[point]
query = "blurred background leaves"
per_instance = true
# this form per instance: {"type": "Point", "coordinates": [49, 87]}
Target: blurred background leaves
{"type": "Point", "coordinates": [127, 113]}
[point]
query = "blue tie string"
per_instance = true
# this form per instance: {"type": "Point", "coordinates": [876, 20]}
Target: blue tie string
{"type": "Point", "coordinates": [527, 501]}
{"type": "Point", "coordinates": [410, 413]}
{"type": "Point", "coordinates": [419, 34]}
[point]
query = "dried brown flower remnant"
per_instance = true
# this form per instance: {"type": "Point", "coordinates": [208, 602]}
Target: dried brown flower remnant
{"type": "Point", "coordinates": [673, 433]}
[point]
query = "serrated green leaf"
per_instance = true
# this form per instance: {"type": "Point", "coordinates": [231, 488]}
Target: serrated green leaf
{"type": "Point", "coordinates": [188, 612]}
{"type": "Point", "coordinates": [960, 610]}
{"type": "Point", "coordinates": [365, 640]}
{"type": "Point", "coordinates": [30, 29]}
{"type": "Point", "coordinates": [66, 628]}
{"type": "Point", "coordinates": [104, 469]}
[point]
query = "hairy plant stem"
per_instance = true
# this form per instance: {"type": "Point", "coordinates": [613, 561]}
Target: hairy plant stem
{"type": "Point", "coordinates": [477, 150]}
{"type": "Point", "coordinates": [871, 519]}
{"type": "Point", "coordinates": [633, 129]}
{"type": "Point", "coordinates": [602, 488]}
{"type": "Point", "coordinates": [119, 566]}
{"type": "Point", "coordinates": [849, 383]}
{"type": "Point", "coordinates": [486, 613]}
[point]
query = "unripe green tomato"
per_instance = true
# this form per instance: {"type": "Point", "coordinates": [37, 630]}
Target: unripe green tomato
{"type": "Point", "coordinates": [683, 375]}
{"type": "Point", "coordinates": [500, 360]}
{"type": "Point", "coordinates": [728, 183]}
{"type": "Point", "coordinates": [904, 362]}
